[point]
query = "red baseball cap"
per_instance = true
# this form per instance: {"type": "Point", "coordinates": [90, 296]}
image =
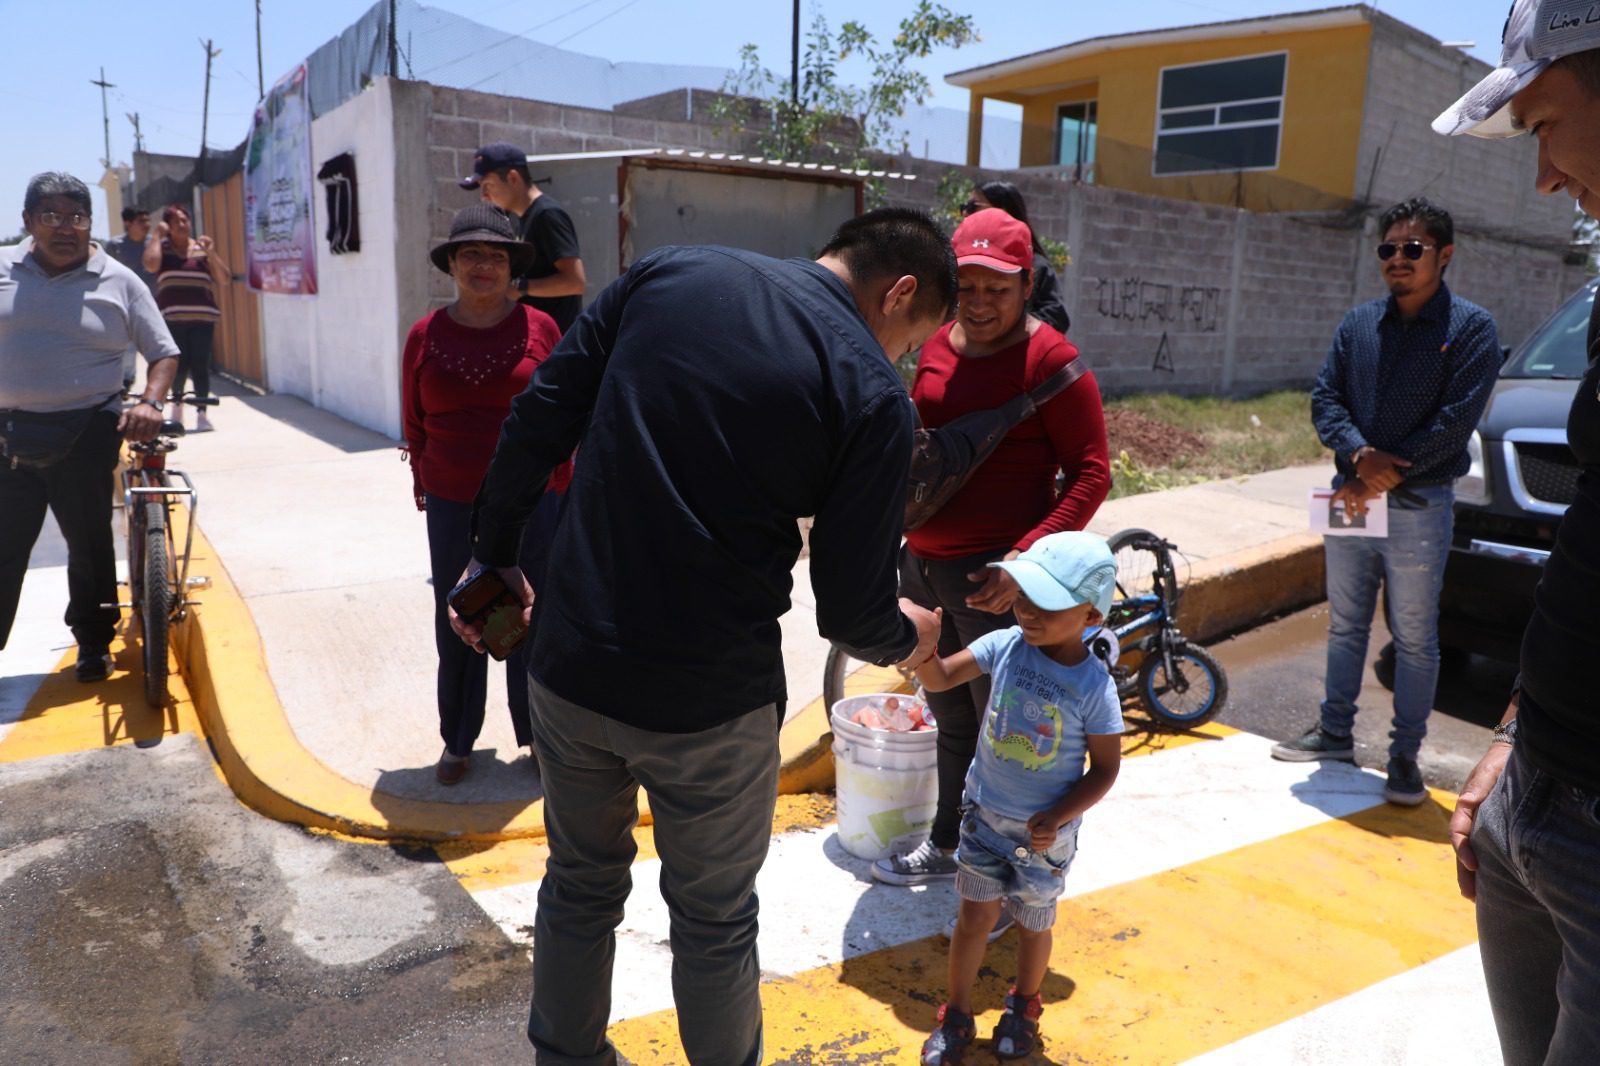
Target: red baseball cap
{"type": "Point", "coordinates": [991, 238]}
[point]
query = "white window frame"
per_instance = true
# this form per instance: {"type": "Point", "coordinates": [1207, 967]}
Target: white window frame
{"type": "Point", "coordinates": [1217, 124]}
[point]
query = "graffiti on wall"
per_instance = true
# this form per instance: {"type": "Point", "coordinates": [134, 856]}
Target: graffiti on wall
{"type": "Point", "coordinates": [1172, 307]}
{"type": "Point", "coordinates": [1164, 356]}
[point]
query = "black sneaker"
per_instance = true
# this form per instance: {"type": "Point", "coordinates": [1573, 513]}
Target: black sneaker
{"type": "Point", "coordinates": [1314, 745]}
{"type": "Point", "coordinates": [926, 863]}
{"type": "Point", "coordinates": [949, 1043]}
{"type": "Point", "coordinates": [1404, 785]}
{"type": "Point", "coordinates": [94, 664]}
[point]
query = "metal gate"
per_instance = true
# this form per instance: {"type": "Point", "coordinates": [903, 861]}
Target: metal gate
{"type": "Point", "coordinates": [238, 340]}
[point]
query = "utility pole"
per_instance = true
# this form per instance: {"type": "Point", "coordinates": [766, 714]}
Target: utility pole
{"type": "Point", "coordinates": [138, 138]}
{"type": "Point", "coordinates": [394, 43]}
{"type": "Point", "coordinates": [794, 59]}
{"type": "Point", "coordinates": [205, 109]}
{"type": "Point", "coordinates": [261, 81]}
{"type": "Point", "coordinates": [105, 116]}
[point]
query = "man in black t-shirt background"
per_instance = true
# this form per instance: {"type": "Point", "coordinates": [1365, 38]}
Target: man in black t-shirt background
{"type": "Point", "coordinates": [555, 282]}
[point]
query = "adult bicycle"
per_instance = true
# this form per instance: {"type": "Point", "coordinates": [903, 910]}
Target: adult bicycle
{"type": "Point", "coordinates": [158, 571]}
{"type": "Point", "coordinates": [1178, 683]}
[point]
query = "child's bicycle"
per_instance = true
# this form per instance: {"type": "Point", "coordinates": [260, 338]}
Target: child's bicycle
{"type": "Point", "coordinates": [158, 574]}
{"type": "Point", "coordinates": [1179, 684]}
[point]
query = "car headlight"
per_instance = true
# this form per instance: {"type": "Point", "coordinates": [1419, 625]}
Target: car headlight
{"type": "Point", "coordinates": [1473, 486]}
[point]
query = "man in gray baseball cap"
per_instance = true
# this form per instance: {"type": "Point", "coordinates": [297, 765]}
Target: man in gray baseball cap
{"type": "Point", "coordinates": [1526, 827]}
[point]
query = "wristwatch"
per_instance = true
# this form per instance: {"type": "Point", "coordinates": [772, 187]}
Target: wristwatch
{"type": "Point", "coordinates": [1355, 456]}
{"type": "Point", "coordinates": [153, 403]}
{"type": "Point", "coordinates": [1505, 733]}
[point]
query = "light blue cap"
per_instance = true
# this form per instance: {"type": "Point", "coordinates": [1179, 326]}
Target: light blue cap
{"type": "Point", "coordinates": [1065, 569]}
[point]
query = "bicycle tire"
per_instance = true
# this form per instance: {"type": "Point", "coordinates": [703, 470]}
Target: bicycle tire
{"type": "Point", "coordinates": [1156, 688]}
{"type": "Point", "coordinates": [156, 612]}
{"type": "Point", "coordinates": [844, 675]}
{"type": "Point", "coordinates": [1136, 566]}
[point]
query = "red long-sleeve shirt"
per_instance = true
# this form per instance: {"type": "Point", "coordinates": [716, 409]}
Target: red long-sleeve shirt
{"type": "Point", "coordinates": [1010, 501]}
{"type": "Point", "coordinates": [458, 382]}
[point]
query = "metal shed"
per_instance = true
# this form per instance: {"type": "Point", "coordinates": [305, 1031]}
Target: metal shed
{"type": "Point", "coordinates": [627, 203]}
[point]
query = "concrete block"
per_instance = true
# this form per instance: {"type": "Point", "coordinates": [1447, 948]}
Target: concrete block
{"type": "Point", "coordinates": [641, 132]}
{"type": "Point", "coordinates": [556, 142]}
{"type": "Point", "coordinates": [447, 132]}
{"type": "Point", "coordinates": [586, 120]}
{"type": "Point", "coordinates": [444, 99]}
{"type": "Point", "coordinates": [536, 114]}
{"type": "Point", "coordinates": [484, 106]}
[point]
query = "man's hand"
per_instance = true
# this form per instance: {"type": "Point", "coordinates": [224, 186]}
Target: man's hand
{"type": "Point", "coordinates": [1479, 784]}
{"type": "Point", "coordinates": [927, 623]}
{"type": "Point", "coordinates": [1042, 830]}
{"type": "Point", "coordinates": [515, 580]}
{"type": "Point", "coordinates": [140, 422]}
{"type": "Point", "coordinates": [1380, 470]}
{"type": "Point", "coordinates": [1354, 494]}
{"type": "Point", "coordinates": [998, 591]}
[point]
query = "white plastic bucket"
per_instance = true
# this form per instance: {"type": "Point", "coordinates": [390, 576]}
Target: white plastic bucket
{"type": "Point", "coordinates": [887, 783]}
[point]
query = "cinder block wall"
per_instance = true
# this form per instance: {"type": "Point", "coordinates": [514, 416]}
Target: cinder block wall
{"type": "Point", "coordinates": [1164, 294]}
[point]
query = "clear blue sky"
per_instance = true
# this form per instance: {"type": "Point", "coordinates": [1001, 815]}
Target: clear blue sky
{"type": "Point", "coordinates": [151, 51]}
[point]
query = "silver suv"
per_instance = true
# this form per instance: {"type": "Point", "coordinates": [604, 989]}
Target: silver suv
{"type": "Point", "coordinates": [1522, 479]}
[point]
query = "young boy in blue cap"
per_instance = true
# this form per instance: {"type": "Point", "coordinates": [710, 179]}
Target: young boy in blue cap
{"type": "Point", "coordinates": [1051, 703]}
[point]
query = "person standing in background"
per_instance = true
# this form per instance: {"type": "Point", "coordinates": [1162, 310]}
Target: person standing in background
{"type": "Point", "coordinates": [187, 276]}
{"type": "Point", "coordinates": [1044, 303]}
{"type": "Point", "coordinates": [128, 250]}
{"type": "Point", "coordinates": [555, 281]}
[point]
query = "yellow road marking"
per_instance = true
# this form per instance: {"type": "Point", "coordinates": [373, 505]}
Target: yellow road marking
{"type": "Point", "coordinates": [65, 716]}
{"type": "Point", "coordinates": [1157, 970]}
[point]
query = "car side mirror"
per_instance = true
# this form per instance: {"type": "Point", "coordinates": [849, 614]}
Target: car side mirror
{"type": "Point", "coordinates": [1505, 352]}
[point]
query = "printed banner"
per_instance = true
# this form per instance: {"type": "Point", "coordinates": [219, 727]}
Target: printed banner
{"type": "Point", "coordinates": [280, 246]}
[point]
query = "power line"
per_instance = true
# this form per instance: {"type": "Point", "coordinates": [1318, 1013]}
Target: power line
{"type": "Point", "coordinates": [557, 44]}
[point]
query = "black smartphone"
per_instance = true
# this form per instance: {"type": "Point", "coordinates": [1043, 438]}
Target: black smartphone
{"type": "Point", "coordinates": [485, 600]}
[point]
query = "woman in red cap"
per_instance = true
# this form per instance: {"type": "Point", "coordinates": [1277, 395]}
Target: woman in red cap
{"type": "Point", "coordinates": [463, 364]}
{"type": "Point", "coordinates": [992, 351]}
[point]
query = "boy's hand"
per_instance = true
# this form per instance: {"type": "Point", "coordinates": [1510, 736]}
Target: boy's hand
{"type": "Point", "coordinates": [1042, 830]}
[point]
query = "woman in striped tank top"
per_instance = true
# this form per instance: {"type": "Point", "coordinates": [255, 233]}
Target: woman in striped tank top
{"type": "Point", "coordinates": [187, 275]}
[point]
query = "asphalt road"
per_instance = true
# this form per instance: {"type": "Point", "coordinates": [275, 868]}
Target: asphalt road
{"type": "Point", "coordinates": [148, 918]}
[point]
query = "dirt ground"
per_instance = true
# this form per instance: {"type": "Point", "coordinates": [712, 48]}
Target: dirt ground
{"type": "Point", "coordinates": [1148, 442]}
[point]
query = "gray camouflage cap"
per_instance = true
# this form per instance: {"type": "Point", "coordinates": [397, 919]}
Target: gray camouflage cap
{"type": "Point", "coordinates": [1536, 34]}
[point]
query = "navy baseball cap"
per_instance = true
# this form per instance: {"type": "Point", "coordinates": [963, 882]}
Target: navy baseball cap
{"type": "Point", "coordinates": [493, 157]}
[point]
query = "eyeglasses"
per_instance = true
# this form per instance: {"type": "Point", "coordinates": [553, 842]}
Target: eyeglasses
{"type": "Point", "coordinates": [53, 219]}
{"type": "Point", "coordinates": [972, 206]}
{"type": "Point", "coordinates": [1411, 249]}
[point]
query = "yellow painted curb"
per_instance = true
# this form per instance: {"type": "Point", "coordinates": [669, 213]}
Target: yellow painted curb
{"type": "Point", "coordinates": [264, 762]}
{"type": "Point", "coordinates": [1237, 590]}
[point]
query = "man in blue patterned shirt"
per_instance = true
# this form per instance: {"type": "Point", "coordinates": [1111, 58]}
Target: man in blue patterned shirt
{"type": "Point", "coordinates": [1396, 401]}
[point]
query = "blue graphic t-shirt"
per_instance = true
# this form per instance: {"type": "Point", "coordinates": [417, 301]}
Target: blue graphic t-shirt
{"type": "Point", "coordinates": [1034, 738]}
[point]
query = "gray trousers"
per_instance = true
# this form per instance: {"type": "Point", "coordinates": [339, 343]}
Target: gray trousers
{"type": "Point", "coordinates": [712, 796]}
{"type": "Point", "coordinates": [1538, 848]}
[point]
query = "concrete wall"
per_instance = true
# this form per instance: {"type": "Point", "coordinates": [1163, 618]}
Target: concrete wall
{"type": "Point", "coordinates": [1486, 185]}
{"type": "Point", "coordinates": [1167, 295]}
{"type": "Point", "coordinates": [340, 349]}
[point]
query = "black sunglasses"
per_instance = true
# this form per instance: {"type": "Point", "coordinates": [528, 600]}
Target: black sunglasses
{"type": "Point", "coordinates": [972, 206]}
{"type": "Point", "coordinates": [1411, 249]}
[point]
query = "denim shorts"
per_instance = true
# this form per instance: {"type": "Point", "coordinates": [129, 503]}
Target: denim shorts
{"type": "Point", "coordinates": [995, 860]}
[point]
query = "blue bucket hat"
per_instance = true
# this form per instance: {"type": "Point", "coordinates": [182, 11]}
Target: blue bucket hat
{"type": "Point", "coordinates": [1064, 570]}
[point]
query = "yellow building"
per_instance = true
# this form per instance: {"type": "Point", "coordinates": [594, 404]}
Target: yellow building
{"type": "Point", "coordinates": [1312, 111]}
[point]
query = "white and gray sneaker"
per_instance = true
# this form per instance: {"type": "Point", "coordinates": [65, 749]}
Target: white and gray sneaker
{"type": "Point", "coordinates": [927, 863]}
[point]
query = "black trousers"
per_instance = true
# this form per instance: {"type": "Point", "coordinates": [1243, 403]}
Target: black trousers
{"type": "Point", "coordinates": [959, 711]}
{"type": "Point", "coordinates": [194, 356]}
{"type": "Point", "coordinates": [463, 673]}
{"type": "Point", "coordinates": [77, 490]}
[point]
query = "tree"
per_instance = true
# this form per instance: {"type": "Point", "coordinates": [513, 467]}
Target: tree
{"type": "Point", "coordinates": [834, 122]}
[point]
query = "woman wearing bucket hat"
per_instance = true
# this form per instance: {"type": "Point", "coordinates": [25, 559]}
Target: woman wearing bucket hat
{"type": "Point", "coordinates": [462, 365]}
{"type": "Point", "coordinates": [993, 351]}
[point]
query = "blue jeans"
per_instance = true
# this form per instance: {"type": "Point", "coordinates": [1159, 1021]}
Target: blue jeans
{"type": "Point", "coordinates": [1538, 847]}
{"type": "Point", "coordinates": [996, 860]}
{"type": "Point", "coordinates": [1410, 561]}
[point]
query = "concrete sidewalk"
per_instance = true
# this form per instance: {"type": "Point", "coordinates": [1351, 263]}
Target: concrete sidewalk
{"type": "Point", "coordinates": [311, 659]}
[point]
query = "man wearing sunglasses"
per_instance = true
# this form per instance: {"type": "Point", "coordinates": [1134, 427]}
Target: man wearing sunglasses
{"type": "Point", "coordinates": [1396, 401]}
{"type": "Point", "coordinates": [68, 313]}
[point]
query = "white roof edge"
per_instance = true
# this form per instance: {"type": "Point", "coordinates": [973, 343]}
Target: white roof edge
{"type": "Point", "coordinates": [1291, 23]}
